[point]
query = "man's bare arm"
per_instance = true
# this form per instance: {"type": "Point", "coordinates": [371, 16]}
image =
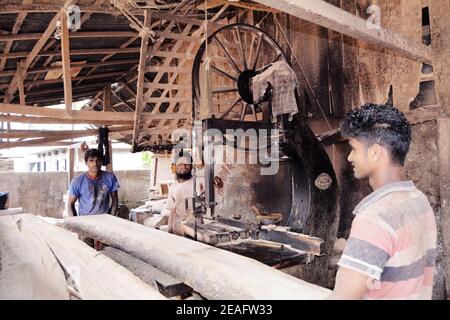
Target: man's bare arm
{"type": "Point", "coordinates": [72, 200]}
{"type": "Point", "coordinates": [114, 203]}
{"type": "Point", "coordinates": [170, 223]}
{"type": "Point", "coordinates": [350, 285]}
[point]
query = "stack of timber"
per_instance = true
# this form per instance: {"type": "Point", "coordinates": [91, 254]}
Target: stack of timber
{"type": "Point", "coordinates": [210, 271]}
{"type": "Point", "coordinates": [43, 261]}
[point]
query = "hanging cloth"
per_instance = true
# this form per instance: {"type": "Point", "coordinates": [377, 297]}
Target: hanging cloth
{"type": "Point", "coordinates": [103, 144]}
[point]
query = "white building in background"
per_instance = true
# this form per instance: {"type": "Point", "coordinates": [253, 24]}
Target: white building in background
{"type": "Point", "coordinates": [51, 159]}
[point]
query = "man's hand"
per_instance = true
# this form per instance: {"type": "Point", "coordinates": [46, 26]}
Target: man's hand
{"type": "Point", "coordinates": [350, 285]}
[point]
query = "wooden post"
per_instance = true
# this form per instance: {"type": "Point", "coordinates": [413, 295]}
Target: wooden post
{"type": "Point", "coordinates": [109, 167]}
{"type": "Point", "coordinates": [20, 75]}
{"type": "Point", "coordinates": [107, 98]}
{"type": "Point", "coordinates": [140, 82]}
{"type": "Point", "coordinates": [71, 173]}
{"type": "Point", "coordinates": [65, 53]}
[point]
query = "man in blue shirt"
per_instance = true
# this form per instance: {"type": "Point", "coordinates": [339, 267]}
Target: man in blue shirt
{"type": "Point", "coordinates": [94, 188]}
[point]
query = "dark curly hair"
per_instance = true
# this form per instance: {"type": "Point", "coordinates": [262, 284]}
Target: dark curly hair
{"type": "Point", "coordinates": [382, 124]}
{"type": "Point", "coordinates": [93, 153]}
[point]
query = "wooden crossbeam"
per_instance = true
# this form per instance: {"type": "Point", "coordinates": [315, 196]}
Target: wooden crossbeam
{"type": "Point", "coordinates": [24, 134]}
{"type": "Point", "coordinates": [54, 8]}
{"type": "Point", "coordinates": [67, 71]}
{"type": "Point", "coordinates": [84, 115]}
{"type": "Point", "coordinates": [36, 49]}
{"type": "Point", "coordinates": [52, 81]}
{"type": "Point", "coordinates": [73, 35]}
{"type": "Point", "coordinates": [73, 64]}
{"type": "Point", "coordinates": [75, 52]}
{"type": "Point", "coordinates": [16, 28]}
{"type": "Point", "coordinates": [140, 82]}
{"type": "Point", "coordinates": [326, 15]}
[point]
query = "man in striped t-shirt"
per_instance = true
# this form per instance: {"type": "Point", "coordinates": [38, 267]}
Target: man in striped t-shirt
{"type": "Point", "coordinates": [391, 251]}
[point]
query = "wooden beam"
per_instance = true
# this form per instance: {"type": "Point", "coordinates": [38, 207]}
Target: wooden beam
{"type": "Point", "coordinates": [67, 71]}
{"type": "Point", "coordinates": [326, 15]}
{"type": "Point", "coordinates": [140, 82]}
{"type": "Point", "coordinates": [208, 270]}
{"type": "Point", "coordinates": [169, 69]}
{"type": "Point", "coordinates": [37, 8]}
{"type": "Point", "coordinates": [20, 74]}
{"type": "Point", "coordinates": [73, 35]}
{"type": "Point", "coordinates": [36, 49]}
{"type": "Point", "coordinates": [52, 81]}
{"type": "Point", "coordinates": [107, 98]}
{"type": "Point", "coordinates": [24, 134]}
{"type": "Point", "coordinates": [73, 64]}
{"type": "Point", "coordinates": [75, 52]}
{"type": "Point", "coordinates": [122, 101]}
{"type": "Point", "coordinates": [85, 115]}
{"type": "Point", "coordinates": [48, 120]}
{"type": "Point", "coordinates": [16, 28]}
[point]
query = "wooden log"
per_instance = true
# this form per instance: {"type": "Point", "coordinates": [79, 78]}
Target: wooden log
{"type": "Point", "coordinates": [212, 272]}
{"type": "Point", "coordinates": [92, 275]}
{"type": "Point", "coordinates": [28, 268]}
{"type": "Point", "coordinates": [167, 285]}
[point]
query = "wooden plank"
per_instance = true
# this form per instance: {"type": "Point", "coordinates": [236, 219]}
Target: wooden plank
{"type": "Point", "coordinates": [140, 82]}
{"type": "Point", "coordinates": [95, 276]}
{"type": "Point", "coordinates": [61, 114]}
{"type": "Point", "coordinates": [53, 81]}
{"type": "Point", "coordinates": [298, 241]}
{"type": "Point", "coordinates": [20, 73]}
{"type": "Point", "coordinates": [73, 64]}
{"type": "Point", "coordinates": [334, 18]}
{"type": "Point", "coordinates": [167, 285]}
{"type": "Point", "coordinates": [36, 8]}
{"type": "Point", "coordinates": [67, 71]}
{"type": "Point", "coordinates": [167, 86]}
{"type": "Point", "coordinates": [21, 134]}
{"type": "Point", "coordinates": [166, 99]}
{"type": "Point", "coordinates": [169, 69]}
{"type": "Point", "coordinates": [29, 269]}
{"type": "Point", "coordinates": [75, 52]}
{"type": "Point", "coordinates": [47, 120]}
{"type": "Point", "coordinates": [73, 35]}
{"type": "Point", "coordinates": [107, 98]}
{"type": "Point", "coordinates": [212, 272]}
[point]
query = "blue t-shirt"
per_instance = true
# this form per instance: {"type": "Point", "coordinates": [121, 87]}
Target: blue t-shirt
{"type": "Point", "coordinates": [93, 194]}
